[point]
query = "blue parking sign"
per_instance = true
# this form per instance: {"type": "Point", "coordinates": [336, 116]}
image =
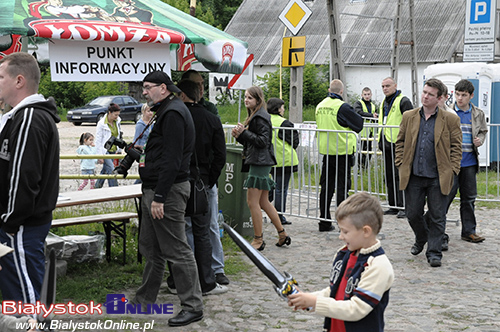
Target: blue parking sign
{"type": "Point", "coordinates": [480, 11]}
{"type": "Point", "coordinates": [480, 21]}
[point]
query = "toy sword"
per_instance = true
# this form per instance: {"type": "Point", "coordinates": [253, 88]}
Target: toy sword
{"type": "Point", "coordinates": [284, 283]}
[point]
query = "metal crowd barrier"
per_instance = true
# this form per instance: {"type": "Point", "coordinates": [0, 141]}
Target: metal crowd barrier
{"type": "Point", "coordinates": [133, 175]}
{"type": "Point", "coordinates": [368, 173]}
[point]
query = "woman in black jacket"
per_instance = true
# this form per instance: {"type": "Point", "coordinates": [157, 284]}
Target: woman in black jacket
{"type": "Point", "coordinates": [258, 153]}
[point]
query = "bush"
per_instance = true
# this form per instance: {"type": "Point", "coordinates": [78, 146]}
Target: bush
{"type": "Point", "coordinates": [74, 94]}
{"type": "Point", "coordinates": [229, 113]}
{"type": "Point", "coordinates": [315, 86]}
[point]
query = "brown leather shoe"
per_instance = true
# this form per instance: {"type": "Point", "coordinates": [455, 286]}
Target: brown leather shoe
{"type": "Point", "coordinates": [474, 238]}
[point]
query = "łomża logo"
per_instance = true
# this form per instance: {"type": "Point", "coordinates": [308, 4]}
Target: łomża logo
{"type": "Point", "coordinates": [118, 304]}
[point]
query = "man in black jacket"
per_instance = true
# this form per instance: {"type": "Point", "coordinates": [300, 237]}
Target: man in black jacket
{"type": "Point", "coordinates": [209, 159]}
{"type": "Point", "coordinates": [29, 176]}
{"type": "Point", "coordinates": [193, 75]}
{"type": "Point", "coordinates": [368, 111]}
{"type": "Point", "coordinates": [164, 171]}
{"type": "Point", "coordinates": [217, 250]}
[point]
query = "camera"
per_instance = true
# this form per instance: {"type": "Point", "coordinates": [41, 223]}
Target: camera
{"type": "Point", "coordinates": [133, 154]}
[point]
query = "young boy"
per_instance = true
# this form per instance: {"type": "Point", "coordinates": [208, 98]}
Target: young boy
{"type": "Point", "coordinates": [361, 275]}
{"type": "Point", "coordinates": [8, 323]}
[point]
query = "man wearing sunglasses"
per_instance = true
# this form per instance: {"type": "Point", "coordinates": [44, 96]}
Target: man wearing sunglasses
{"type": "Point", "coordinates": [164, 171]}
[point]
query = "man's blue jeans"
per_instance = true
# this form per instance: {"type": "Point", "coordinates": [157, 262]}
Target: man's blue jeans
{"type": "Point", "coordinates": [466, 181]}
{"type": "Point", "coordinates": [217, 250]}
{"type": "Point", "coordinates": [431, 231]}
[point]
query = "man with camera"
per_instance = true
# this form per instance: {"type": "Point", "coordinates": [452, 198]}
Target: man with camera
{"type": "Point", "coordinates": [164, 171]}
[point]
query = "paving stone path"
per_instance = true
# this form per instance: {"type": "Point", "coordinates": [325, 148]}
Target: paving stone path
{"type": "Point", "coordinates": [462, 295]}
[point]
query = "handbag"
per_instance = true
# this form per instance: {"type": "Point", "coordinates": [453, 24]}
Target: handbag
{"type": "Point", "coordinates": [198, 198]}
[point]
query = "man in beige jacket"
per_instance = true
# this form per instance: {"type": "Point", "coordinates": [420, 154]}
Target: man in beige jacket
{"type": "Point", "coordinates": [428, 154]}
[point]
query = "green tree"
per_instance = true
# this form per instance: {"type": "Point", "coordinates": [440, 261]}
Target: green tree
{"type": "Point", "coordinates": [223, 11]}
{"type": "Point", "coordinates": [92, 90]}
{"type": "Point", "coordinates": [270, 84]}
{"type": "Point", "coordinates": [74, 94]}
{"type": "Point", "coordinates": [314, 89]}
{"type": "Point", "coordinates": [316, 84]}
{"type": "Point", "coordinates": [217, 13]}
{"type": "Point", "coordinates": [66, 94]}
{"type": "Point", "coordinates": [179, 4]}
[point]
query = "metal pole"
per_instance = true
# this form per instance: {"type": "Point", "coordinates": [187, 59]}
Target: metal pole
{"type": "Point", "coordinates": [414, 73]}
{"type": "Point", "coordinates": [281, 67]}
{"type": "Point", "coordinates": [296, 94]}
{"type": "Point", "coordinates": [239, 106]}
{"type": "Point", "coordinates": [395, 52]}
{"type": "Point", "coordinates": [192, 8]}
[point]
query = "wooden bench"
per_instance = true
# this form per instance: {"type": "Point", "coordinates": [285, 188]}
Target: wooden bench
{"type": "Point", "coordinates": [116, 222]}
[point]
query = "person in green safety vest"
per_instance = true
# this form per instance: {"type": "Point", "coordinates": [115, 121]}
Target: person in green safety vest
{"type": "Point", "coordinates": [391, 112]}
{"type": "Point", "coordinates": [285, 142]}
{"type": "Point", "coordinates": [366, 109]}
{"type": "Point", "coordinates": [333, 118]}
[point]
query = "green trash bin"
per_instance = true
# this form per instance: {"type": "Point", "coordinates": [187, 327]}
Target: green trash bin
{"type": "Point", "coordinates": [232, 196]}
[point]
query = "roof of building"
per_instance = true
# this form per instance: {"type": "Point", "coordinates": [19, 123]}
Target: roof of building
{"type": "Point", "coordinates": [367, 39]}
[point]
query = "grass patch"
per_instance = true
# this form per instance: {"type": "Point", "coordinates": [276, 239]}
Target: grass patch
{"type": "Point", "coordinates": [229, 112]}
{"type": "Point", "coordinates": [234, 264]}
{"type": "Point", "coordinates": [94, 280]}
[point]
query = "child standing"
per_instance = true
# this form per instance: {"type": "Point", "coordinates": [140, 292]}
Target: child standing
{"type": "Point", "coordinates": [87, 166]}
{"type": "Point", "coordinates": [361, 275]}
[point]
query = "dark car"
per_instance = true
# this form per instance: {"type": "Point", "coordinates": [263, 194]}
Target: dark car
{"type": "Point", "coordinates": [95, 110]}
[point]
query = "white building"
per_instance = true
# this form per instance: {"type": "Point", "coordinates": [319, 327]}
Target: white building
{"type": "Point", "coordinates": [367, 37]}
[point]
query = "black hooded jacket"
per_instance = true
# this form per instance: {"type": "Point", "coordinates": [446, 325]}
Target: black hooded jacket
{"type": "Point", "coordinates": [29, 166]}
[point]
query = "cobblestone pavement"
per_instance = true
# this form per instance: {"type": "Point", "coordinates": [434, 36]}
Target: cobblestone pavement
{"type": "Point", "coordinates": [462, 295]}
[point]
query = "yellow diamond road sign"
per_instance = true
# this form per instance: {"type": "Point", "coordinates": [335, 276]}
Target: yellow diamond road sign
{"type": "Point", "coordinates": [295, 15]}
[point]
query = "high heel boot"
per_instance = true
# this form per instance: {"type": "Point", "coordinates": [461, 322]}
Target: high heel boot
{"type": "Point", "coordinates": [258, 242]}
{"type": "Point", "coordinates": [284, 239]}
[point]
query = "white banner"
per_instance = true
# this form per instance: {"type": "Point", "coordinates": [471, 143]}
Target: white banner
{"type": "Point", "coordinates": [219, 84]}
{"type": "Point", "coordinates": [106, 61]}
